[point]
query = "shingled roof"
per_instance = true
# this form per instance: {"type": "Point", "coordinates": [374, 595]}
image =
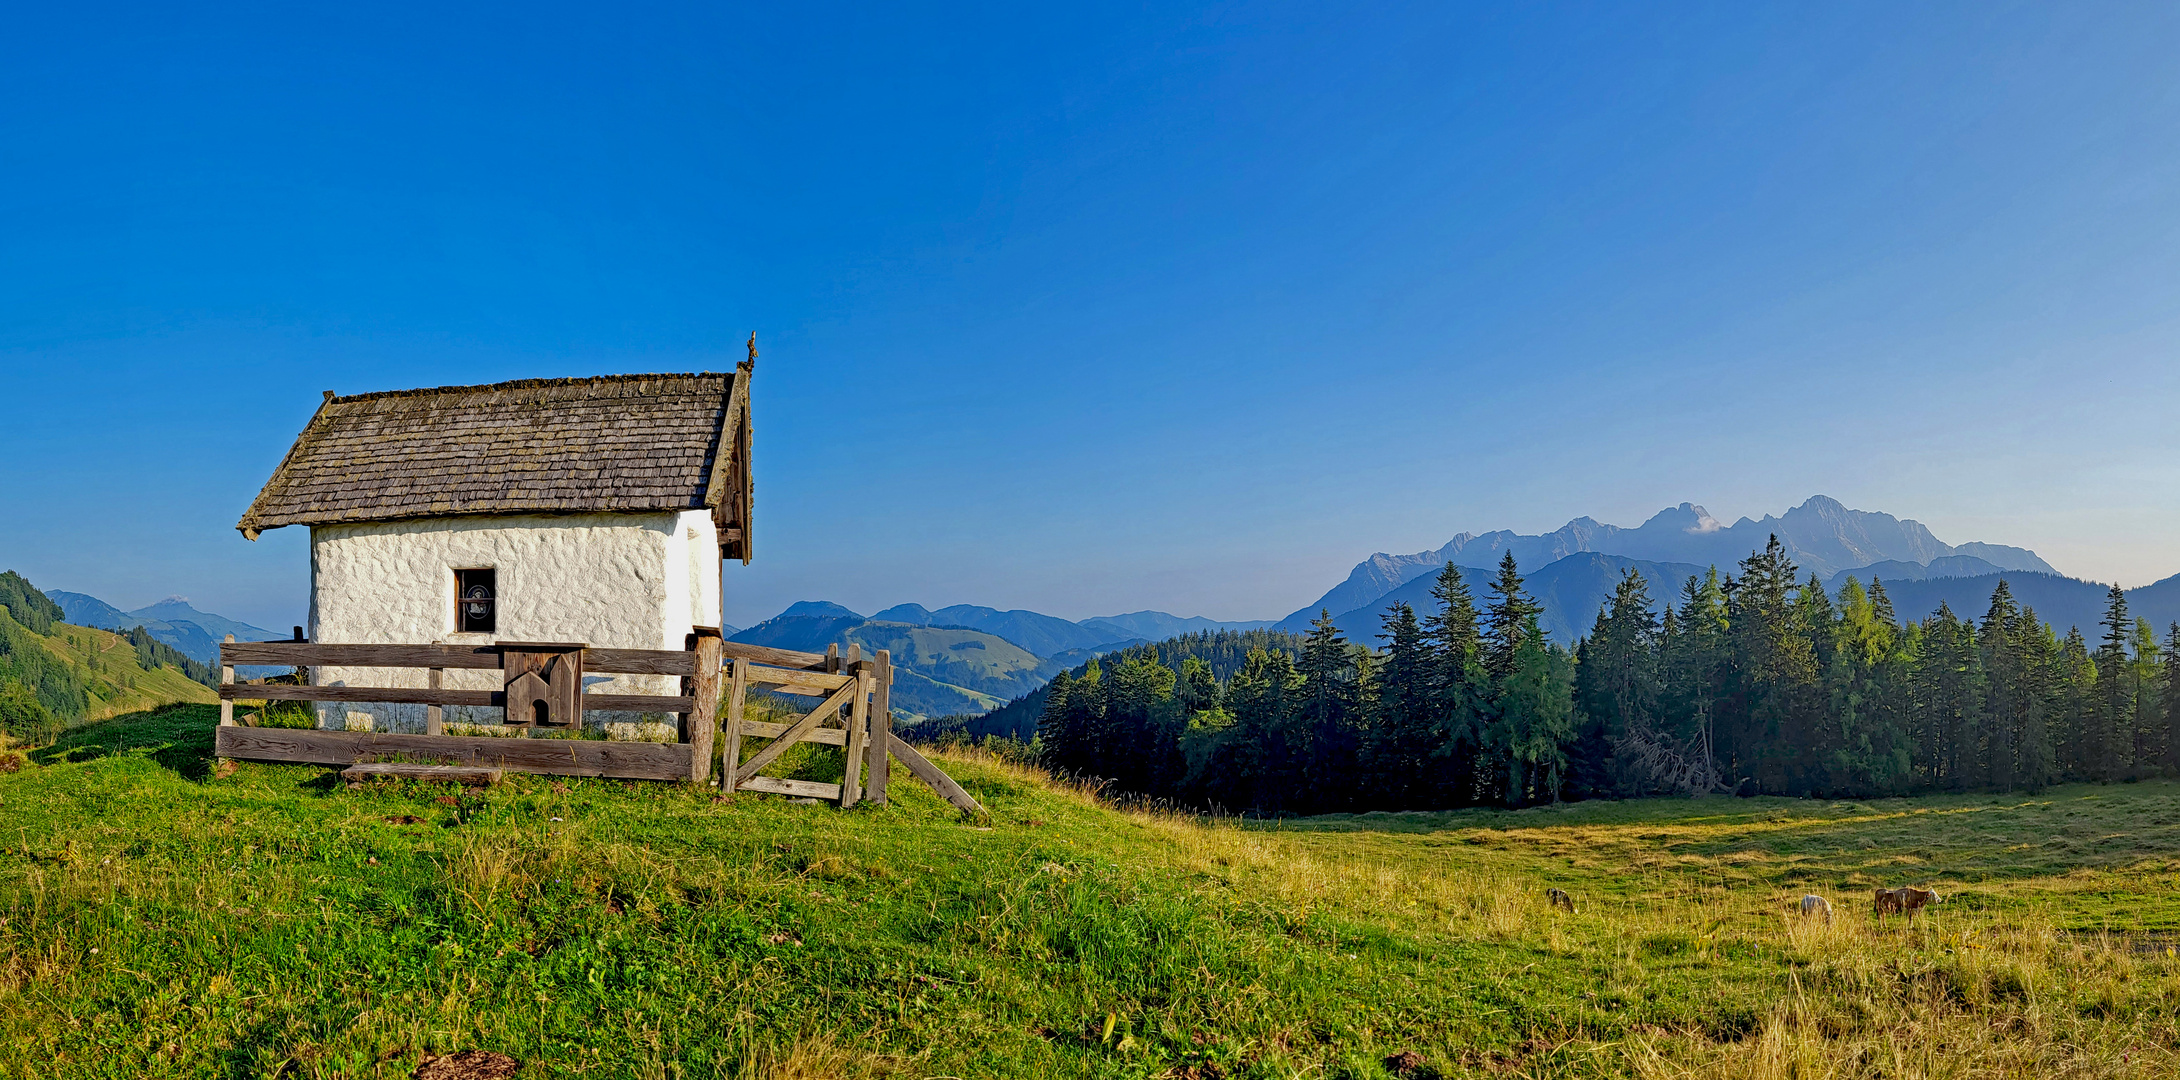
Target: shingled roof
{"type": "Point", "coordinates": [615, 443]}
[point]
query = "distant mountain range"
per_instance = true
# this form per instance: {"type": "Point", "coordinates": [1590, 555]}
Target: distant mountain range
{"type": "Point", "coordinates": [2060, 601]}
{"type": "Point", "coordinates": [1822, 535]}
{"type": "Point", "coordinates": [194, 634]}
{"type": "Point", "coordinates": [968, 659]}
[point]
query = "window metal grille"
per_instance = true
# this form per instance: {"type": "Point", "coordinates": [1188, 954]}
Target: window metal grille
{"type": "Point", "coordinates": [476, 601]}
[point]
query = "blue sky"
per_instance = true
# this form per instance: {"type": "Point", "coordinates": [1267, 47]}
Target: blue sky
{"type": "Point", "coordinates": [1093, 311]}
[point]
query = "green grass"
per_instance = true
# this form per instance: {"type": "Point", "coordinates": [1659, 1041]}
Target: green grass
{"type": "Point", "coordinates": [155, 921]}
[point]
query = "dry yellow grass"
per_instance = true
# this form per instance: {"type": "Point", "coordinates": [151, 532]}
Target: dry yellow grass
{"type": "Point", "coordinates": [270, 923]}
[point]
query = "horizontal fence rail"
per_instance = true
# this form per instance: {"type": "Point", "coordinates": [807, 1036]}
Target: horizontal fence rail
{"type": "Point", "coordinates": [559, 757]}
{"type": "Point", "coordinates": [852, 713]}
{"type": "Point", "coordinates": [397, 695]}
{"type": "Point", "coordinates": [603, 661]}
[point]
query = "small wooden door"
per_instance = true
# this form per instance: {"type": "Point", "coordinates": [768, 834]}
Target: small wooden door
{"type": "Point", "coordinates": [544, 683]}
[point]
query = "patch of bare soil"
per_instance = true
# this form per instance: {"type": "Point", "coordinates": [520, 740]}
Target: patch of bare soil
{"type": "Point", "coordinates": [467, 1065]}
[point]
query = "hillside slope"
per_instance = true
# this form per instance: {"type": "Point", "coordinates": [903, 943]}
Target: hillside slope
{"type": "Point", "coordinates": [195, 634]}
{"type": "Point", "coordinates": [270, 924]}
{"type": "Point", "coordinates": [53, 674]}
{"type": "Point", "coordinates": [115, 677]}
{"type": "Point", "coordinates": [1224, 650]}
{"type": "Point", "coordinates": [938, 669]}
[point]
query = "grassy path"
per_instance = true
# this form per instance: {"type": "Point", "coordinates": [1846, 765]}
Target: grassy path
{"type": "Point", "coordinates": [155, 922]}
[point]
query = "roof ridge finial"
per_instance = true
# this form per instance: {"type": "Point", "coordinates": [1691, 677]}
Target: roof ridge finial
{"type": "Point", "coordinates": [750, 364]}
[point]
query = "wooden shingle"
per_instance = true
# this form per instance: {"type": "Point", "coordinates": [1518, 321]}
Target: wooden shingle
{"type": "Point", "coordinates": [615, 443]}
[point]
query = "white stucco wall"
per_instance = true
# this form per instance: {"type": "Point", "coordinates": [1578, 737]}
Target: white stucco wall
{"type": "Point", "coordinates": [625, 581]}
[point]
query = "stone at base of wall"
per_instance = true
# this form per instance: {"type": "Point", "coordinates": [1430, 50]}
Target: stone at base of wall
{"type": "Point", "coordinates": [409, 720]}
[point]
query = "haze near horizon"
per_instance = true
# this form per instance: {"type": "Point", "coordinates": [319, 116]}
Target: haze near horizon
{"type": "Point", "coordinates": [1186, 309]}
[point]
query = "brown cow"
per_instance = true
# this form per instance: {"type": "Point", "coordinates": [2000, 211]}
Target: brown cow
{"type": "Point", "coordinates": [1906, 901]}
{"type": "Point", "coordinates": [1560, 900]}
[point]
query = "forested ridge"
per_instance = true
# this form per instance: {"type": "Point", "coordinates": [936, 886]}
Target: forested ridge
{"type": "Point", "coordinates": [1750, 682]}
{"type": "Point", "coordinates": [44, 688]}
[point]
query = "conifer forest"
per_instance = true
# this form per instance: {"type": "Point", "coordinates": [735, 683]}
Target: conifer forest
{"type": "Point", "coordinates": [1752, 682]}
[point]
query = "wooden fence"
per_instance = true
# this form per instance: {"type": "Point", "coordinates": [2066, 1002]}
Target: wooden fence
{"type": "Point", "coordinates": [716, 678]}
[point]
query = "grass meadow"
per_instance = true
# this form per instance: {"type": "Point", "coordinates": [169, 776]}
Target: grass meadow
{"type": "Point", "coordinates": [157, 921]}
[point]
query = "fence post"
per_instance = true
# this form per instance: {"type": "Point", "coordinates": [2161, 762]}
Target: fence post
{"type": "Point", "coordinates": [876, 751]}
{"type": "Point", "coordinates": [701, 726]}
{"type": "Point", "coordinates": [435, 718]}
{"type": "Point", "coordinates": [731, 757]}
{"type": "Point", "coordinates": [851, 785]}
{"type": "Point", "coordinates": [227, 678]}
{"type": "Point", "coordinates": [227, 705]}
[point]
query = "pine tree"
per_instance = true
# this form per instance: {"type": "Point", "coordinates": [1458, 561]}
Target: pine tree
{"type": "Point", "coordinates": [1402, 727]}
{"type": "Point", "coordinates": [1616, 686]}
{"type": "Point", "coordinates": [2112, 742]}
{"type": "Point", "coordinates": [1771, 663]}
{"type": "Point", "coordinates": [1866, 694]}
{"type": "Point", "coordinates": [1140, 748]}
{"type": "Point", "coordinates": [1198, 688]}
{"type": "Point", "coordinates": [1059, 744]}
{"type": "Point", "coordinates": [2037, 763]}
{"type": "Point", "coordinates": [2076, 706]}
{"type": "Point", "coordinates": [1334, 687]}
{"type": "Point", "coordinates": [1881, 604]}
{"type": "Point", "coordinates": [2005, 697]}
{"type": "Point", "coordinates": [1270, 744]}
{"type": "Point", "coordinates": [2145, 725]}
{"type": "Point", "coordinates": [1460, 690]}
{"type": "Point", "coordinates": [1508, 620]}
{"type": "Point", "coordinates": [1948, 702]}
{"type": "Point", "coordinates": [1695, 663]}
{"type": "Point", "coordinates": [1534, 720]}
{"type": "Point", "coordinates": [2169, 696]}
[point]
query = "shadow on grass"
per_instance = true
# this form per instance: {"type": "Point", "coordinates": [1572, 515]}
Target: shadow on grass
{"type": "Point", "coordinates": [177, 737]}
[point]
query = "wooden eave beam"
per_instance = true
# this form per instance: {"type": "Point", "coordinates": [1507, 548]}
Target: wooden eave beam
{"type": "Point", "coordinates": [727, 492]}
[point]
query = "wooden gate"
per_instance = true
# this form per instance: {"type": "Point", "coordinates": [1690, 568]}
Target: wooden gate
{"type": "Point", "coordinates": [852, 713]}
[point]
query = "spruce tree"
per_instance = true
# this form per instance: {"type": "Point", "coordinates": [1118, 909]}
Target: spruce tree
{"type": "Point", "coordinates": [1867, 698]}
{"type": "Point", "coordinates": [1335, 683]}
{"type": "Point", "coordinates": [1771, 662]}
{"type": "Point", "coordinates": [1198, 687]}
{"type": "Point", "coordinates": [1695, 664]}
{"type": "Point", "coordinates": [1533, 724]}
{"type": "Point", "coordinates": [1267, 767]}
{"type": "Point", "coordinates": [2113, 743]}
{"type": "Point", "coordinates": [1058, 743]}
{"type": "Point", "coordinates": [1142, 731]}
{"type": "Point", "coordinates": [1948, 702]}
{"type": "Point", "coordinates": [2145, 724]}
{"type": "Point", "coordinates": [1402, 727]}
{"type": "Point", "coordinates": [1813, 746]}
{"type": "Point", "coordinates": [2005, 697]}
{"type": "Point", "coordinates": [2076, 706]}
{"type": "Point", "coordinates": [2037, 762]}
{"type": "Point", "coordinates": [1460, 689]}
{"type": "Point", "coordinates": [1510, 616]}
{"type": "Point", "coordinates": [1616, 686]}
{"type": "Point", "coordinates": [2169, 698]}
{"type": "Point", "coordinates": [1881, 604]}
